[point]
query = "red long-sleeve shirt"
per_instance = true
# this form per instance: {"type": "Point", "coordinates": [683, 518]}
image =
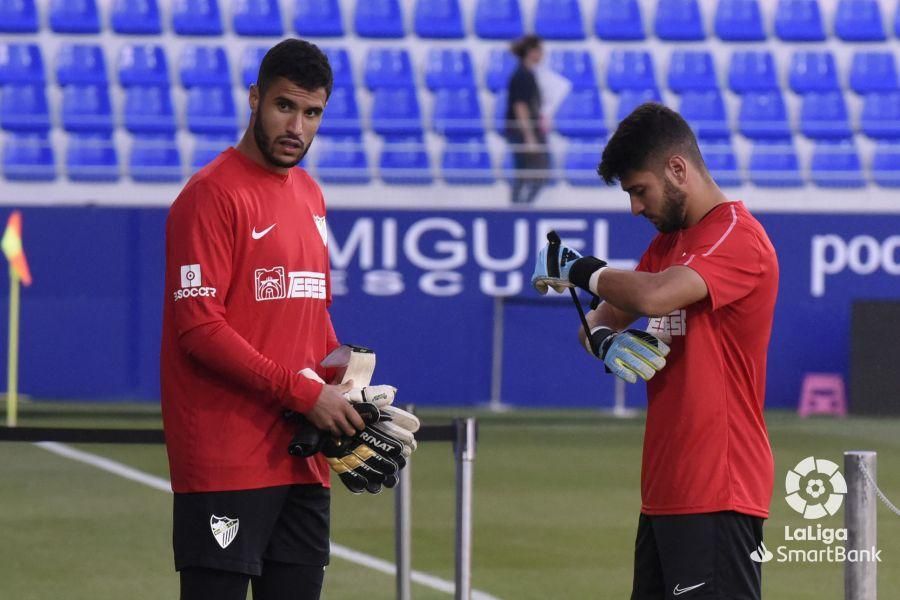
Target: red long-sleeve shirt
{"type": "Point", "coordinates": [246, 297]}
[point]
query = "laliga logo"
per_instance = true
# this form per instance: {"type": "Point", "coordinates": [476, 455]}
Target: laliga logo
{"type": "Point", "coordinates": [807, 488]}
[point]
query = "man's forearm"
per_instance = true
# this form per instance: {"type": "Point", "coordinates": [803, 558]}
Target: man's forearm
{"type": "Point", "coordinates": [634, 292]}
{"type": "Point", "coordinates": [220, 348]}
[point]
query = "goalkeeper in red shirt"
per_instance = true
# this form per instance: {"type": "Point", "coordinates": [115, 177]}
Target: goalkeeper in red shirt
{"type": "Point", "coordinates": [708, 282]}
{"type": "Point", "coordinates": [246, 310]}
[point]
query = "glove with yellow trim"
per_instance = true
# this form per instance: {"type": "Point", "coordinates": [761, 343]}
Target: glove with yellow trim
{"type": "Point", "coordinates": [628, 354]}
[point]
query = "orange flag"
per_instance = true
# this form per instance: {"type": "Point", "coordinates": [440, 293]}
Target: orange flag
{"type": "Point", "coordinates": [12, 247]}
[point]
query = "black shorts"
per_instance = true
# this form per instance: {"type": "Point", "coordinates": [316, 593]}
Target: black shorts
{"type": "Point", "coordinates": [238, 530]}
{"type": "Point", "coordinates": [683, 557]}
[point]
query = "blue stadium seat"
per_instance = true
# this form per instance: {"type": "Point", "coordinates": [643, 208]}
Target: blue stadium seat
{"type": "Point", "coordinates": [498, 19]}
{"type": "Point", "coordinates": [18, 16]}
{"type": "Point", "coordinates": [575, 65]}
{"type": "Point", "coordinates": [752, 71]}
{"type": "Point", "coordinates": [678, 21]}
{"type": "Point", "coordinates": [91, 157]}
{"type": "Point", "coordinates": [154, 159]}
{"type": "Point", "coordinates": [74, 16]}
{"type": "Point", "coordinates": [580, 115]}
{"type": "Point", "coordinates": [388, 67]}
{"type": "Point", "coordinates": [148, 109]}
{"type": "Point", "coordinates": [28, 157]}
{"type": "Point", "coordinates": [739, 21]}
{"type": "Point", "coordinates": [836, 163]}
{"type": "Point", "coordinates": [692, 70]}
{"type": "Point", "coordinates": [873, 72]}
{"type": "Point", "coordinates": [500, 66]}
{"type": "Point", "coordinates": [581, 160]}
{"type": "Point", "coordinates": [318, 18]}
{"type": "Point", "coordinates": [208, 147]}
{"type": "Point", "coordinates": [630, 70]}
{"type": "Point", "coordinates": [404, 160]}
{"type": "Point", "coordinates": [559, 20]}
{"type": "Point", "coordinates": [799, 21]}
{"type": "Point", "coordinates": [80, 64]}
{"type": "Point", "coordinates": [619, 20]}
{"type": "Point", "coordinates": [210, 111]}
{"type": "Point", "coordinates": [196, 17]}
{"type": "Point", "coordinates": [395, 112]}
{"type": "Point", "coordinates": [720, 159]}
{"type": "Point", "coordinates": [135, 17]}
{"type": "Point", "coordinates": [705, 112]}
{"type": "Point", "coordinates": [23, 108]}
{"type": "Point", "coordinates": [774, 163]}
{"type": "Point", "coordinates": [886, 164]}
{"type": "Point", "coordinates": [342, 114]}
{"type": "Point", "coordinates": [86, 108]}
{"type": "Point", "coordinates": [143, 65]}
{"type": "Point", "coordinates": [204, 65]}
{"type": "Point", "coordinates": [379, 19]}
{"type": "Point", "coordinates": [256, 18]}
{"type": "Point", "coordinates": [631, 99]}
{"type": "Point", "coordinates": [251, 58]}
{"type": "Point", "coordinates": [813, 71]}
{"type": "Point", "coordinates": [880, 117]}
{"type": "Point", "coordinates": [342, 160]}
{"type": "Point", "coordinates": [21, 63]}
{"type": "Point", "coordinates": [466, 161]}
{"type": "Point", "coordinates": [763, 116]}
{"type": "Point", "coordinates": [449, 68]}
{"type": "Point", "coordinates": [439, 19]}
{"type": "Point", "coordinates": [341, 69]}
{"type": "Point", "coordinates": [457, 113]}
{"type": "Point", "coordinates": [823, 116]}
{"type": "Point", "coordinates": [859, 21]}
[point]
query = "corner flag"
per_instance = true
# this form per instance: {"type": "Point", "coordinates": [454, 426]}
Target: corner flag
{"type": "Point", "coordinates": [12, 247]}
{"type": "Point", "coordinates": [18, 271]}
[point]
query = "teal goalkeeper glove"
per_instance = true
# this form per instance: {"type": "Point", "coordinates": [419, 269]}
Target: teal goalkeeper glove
{"type": "Point", "coordinates": [560, 267]}
{"type": "Point", "coordinates": [628, 354]}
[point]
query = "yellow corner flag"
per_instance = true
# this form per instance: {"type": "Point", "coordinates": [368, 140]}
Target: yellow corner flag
{"type": "Point", "coordinates": [18, 271]}
{"type": "Point", "coordinates": [12, 247]}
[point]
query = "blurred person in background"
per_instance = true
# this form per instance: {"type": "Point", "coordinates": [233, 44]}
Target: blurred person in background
{"type": "Point", "coordinates": [246, 308]}
{"type": "Point", "coordinates": [525, 130]}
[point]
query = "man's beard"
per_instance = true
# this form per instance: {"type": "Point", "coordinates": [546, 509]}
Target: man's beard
{"type": "Point", "coordinates": [673, 213]}
{"type": "Point", "coordinates": [266, 146]}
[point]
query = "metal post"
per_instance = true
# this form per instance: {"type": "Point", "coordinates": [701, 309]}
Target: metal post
{"type": "Point", "coordinates": [403, 532]}
{"type": "Point", "coordinates": [860, 519]}
{"type": "Point", "coordinates": [464, 450]}
{"type": "Point", "coordinates": [496, 402]}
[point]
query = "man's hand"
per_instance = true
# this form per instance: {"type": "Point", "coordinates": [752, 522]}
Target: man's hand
{"type": "Point", "coordinates": [560, 267]}
{"type": "Point", "coordinates": [332, 412]}
{"type": "Point", "coordinates": [629, 354]}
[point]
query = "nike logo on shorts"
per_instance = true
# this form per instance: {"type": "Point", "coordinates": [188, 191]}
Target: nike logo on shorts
{"type": "Point", "coordinates": [680, 590]}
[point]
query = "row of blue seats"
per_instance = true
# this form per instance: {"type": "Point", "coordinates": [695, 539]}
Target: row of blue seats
{"type": "Point", "coordinates": [200, 65]}
{"type": "Point", "coordinates": [675, 20]}
{"type": "Point", "coordinates": [404, 160]}
{"type": "Point", "coordinates": [457, 112]}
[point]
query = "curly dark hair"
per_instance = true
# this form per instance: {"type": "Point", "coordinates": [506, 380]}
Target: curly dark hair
{"type": "Point", "coordinates": [645, 139]}
{"type": "Point", "coordinates": [298, 61]}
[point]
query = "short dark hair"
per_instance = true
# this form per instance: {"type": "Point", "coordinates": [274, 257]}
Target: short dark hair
{"type": "Point", "coordinates": [300, 62]}
{"type": "Point", "coordinates": [651, 133]}
{"type": "Point", "coordinates": [525, 44]}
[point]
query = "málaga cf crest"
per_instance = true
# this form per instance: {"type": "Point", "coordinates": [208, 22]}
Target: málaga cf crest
{"type": "Point", "coordinates": [223, 529]}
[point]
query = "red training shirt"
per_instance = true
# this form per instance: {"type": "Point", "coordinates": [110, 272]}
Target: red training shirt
{"type": "Point", "coordinates": [246, 297]}
{"type": "Point", "coordinates": [706, 448]}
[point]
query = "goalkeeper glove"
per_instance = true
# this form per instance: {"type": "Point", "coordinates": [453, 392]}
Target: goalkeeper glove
{"type": "Point", "coordinates": [628, 354]}
{"type": "Point", "coordinates": [560, 267]}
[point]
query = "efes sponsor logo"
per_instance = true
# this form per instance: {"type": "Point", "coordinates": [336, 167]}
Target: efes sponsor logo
{"type": "Point", "coordinates": [271, 284]}
{"type": "Point", "coordinates": [669, 326]}
{"type": "Point", "coordinates": [192, 284]}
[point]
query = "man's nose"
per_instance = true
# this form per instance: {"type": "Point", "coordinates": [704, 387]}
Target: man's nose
{"type": "Point", "coordinates": [636, 207]}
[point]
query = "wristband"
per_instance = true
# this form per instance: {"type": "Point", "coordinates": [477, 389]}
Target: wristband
{"type": "Point", "coordinates": [582, 270]}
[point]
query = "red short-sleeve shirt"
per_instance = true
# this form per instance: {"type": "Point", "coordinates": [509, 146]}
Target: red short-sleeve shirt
{"type": "Point", "coordinates": [706, 447]}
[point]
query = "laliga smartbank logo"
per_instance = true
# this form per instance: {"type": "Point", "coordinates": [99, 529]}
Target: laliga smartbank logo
{"type": "Point", "coordinates": [815, 489]}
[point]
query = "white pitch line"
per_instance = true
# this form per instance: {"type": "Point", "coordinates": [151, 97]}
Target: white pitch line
{"type": "Point", "coordinates": [163, 485]}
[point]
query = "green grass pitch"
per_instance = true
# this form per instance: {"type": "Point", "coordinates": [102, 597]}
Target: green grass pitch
{"type": "Point", "coordinates": [556, 504]}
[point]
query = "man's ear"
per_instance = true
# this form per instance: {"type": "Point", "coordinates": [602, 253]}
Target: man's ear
{"type": "Point", "coordinates": [677, 168]}
{"type": "Point", "coordinates": [253, 99]}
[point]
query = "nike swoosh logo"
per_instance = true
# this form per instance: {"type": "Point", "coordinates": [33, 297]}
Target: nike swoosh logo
{"type": "Point", "coordinates": [680, 590]}
{"type": "Point", "coordinates": [258, 234]}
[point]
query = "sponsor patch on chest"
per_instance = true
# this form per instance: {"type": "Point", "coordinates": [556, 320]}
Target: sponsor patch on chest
{"type": "Point", "coordinates": [669, 326]}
